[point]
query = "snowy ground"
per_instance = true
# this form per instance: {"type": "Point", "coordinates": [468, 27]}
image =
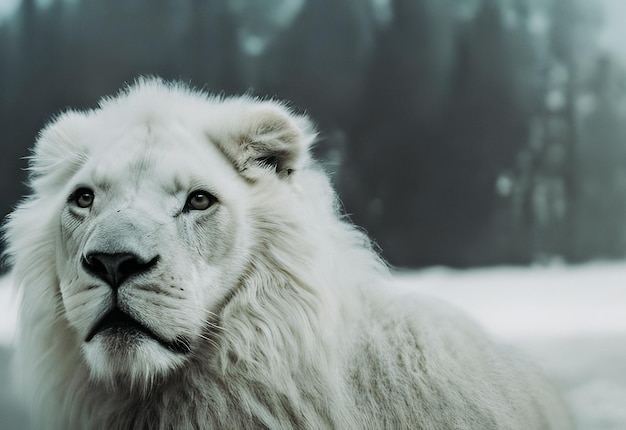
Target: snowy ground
{"type": "Point", "coordinates": [571, 321]}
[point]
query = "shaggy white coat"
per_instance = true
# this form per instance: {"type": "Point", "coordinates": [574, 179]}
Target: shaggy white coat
{"type": "Point", "coordinates": [286, 309]}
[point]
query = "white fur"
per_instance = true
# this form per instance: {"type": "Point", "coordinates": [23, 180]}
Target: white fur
{"type": "Point", "coordinates": [287, 311]}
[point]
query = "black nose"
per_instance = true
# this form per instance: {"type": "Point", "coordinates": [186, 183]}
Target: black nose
{"type": "Point", "coordinates": [114, 269]}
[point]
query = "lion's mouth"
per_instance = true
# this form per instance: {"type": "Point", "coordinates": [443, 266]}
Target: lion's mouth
{"type": "Point", "coordinates": [118, 323]}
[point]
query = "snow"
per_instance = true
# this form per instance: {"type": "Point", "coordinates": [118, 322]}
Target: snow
{"type": "Point", "coordinates": [540, 302]}
{"type": "Point", "coordinates": [570, 320]}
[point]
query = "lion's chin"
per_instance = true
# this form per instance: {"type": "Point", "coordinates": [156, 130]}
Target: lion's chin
{"type": "Point", "coordinates": [131, 358]}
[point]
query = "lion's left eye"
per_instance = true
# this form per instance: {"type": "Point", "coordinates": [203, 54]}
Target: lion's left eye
{"type": "Point", "coordinates": [199, 201]}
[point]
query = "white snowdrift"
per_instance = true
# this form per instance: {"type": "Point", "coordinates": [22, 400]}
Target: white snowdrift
{"type": "Point", "coordinates": [539, 302]}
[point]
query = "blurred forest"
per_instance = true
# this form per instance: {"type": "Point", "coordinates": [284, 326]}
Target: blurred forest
{"type": "Point", "coordinates": [458, 132]}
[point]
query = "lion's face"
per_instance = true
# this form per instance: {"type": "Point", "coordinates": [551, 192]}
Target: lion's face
{"type": "Point", "coordinates": [141, 224]}
{"type": "Point", "coordinates": [151, 239]}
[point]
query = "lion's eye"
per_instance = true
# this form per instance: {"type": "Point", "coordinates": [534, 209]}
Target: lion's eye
{"type": "Point", "coordinates": [199, 201]}
{"type": "Point", "coordinates": [83, 197]}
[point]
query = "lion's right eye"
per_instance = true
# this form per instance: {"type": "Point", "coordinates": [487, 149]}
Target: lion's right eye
{"type": "Point", "coordinates": [83, 197]}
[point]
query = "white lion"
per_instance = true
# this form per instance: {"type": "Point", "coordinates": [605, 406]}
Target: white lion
{"type": "Point", "coordinates": [183, 265]}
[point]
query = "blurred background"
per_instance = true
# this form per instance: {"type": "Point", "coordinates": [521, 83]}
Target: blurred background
{"type": "Point", "coordinates": [458, 132]}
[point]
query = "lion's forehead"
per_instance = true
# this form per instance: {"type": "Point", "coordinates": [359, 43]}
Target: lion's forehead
{"type": "Point", "coordinates": [163, 157]}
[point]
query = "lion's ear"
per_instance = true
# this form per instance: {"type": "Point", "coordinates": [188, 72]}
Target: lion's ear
{"type": "Point", "coordinates": [59, 151]}
{"type": "Point", "coordinates": [263, 136]}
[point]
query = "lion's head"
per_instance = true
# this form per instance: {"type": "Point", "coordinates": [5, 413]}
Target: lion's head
{"type": "Point", "coordinates": [143, 222]}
